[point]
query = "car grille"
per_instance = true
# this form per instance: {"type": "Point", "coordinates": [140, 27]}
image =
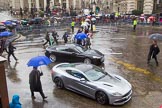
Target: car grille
{"type": "Point", "coordinates": [127, 94]}
{"type": "Point", "coordinates": [125, 98]}
{"type": "Point", "coordinates": [122, 100]}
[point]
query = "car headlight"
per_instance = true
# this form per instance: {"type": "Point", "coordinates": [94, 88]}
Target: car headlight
{"type": "Point", "coordinates": [96, 57]}
{"type": "Point", "coordinates": [116, 94]}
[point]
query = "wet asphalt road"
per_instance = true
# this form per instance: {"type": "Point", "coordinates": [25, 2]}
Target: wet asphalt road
{"type": "Point", "coordinates": [125, 54]}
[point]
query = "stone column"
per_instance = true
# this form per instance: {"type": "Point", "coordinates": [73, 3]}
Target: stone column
{"type": "Point", "coordinates": [74, 4]}
{"type": "Point", "coordinates": [29, 2]}
{"type": "Point", "coordinates": [52, 2]}
{"type": "Point", "coordinates": [67, 5]}
{"type": "Point", "coordinates": [13, 4]}
{"type": "Point", "coordinates": [60, 2]}
{"type": "Point", "coordinates": [37, 4]}
{"type": "Point", "coordinates": [80, 4]}
{"type": "Point", "coordinates": [45, 4]}
{"type": "Point", "coordinates": [3, 85]}
{"type": "Point", "coordinates": [22, 4]}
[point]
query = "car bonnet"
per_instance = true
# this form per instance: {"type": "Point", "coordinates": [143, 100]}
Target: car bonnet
{"type": "Point", "coordinates": [93, 53]}
{"type": "Point", "coordinates": [115, 84]}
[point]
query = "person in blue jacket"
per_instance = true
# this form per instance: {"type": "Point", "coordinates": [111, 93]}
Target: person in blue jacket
{"type": "Point", "coordinates": [15, 102]}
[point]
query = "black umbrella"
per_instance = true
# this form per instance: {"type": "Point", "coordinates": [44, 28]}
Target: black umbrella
{"type": "Point", "coordinates": [155, 36]}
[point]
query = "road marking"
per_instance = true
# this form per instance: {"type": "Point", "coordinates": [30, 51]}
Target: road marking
{"type": "Point", "coordinates": [133, 68]}
{"type": "Point", "coordinates": [113, 53]}
{"type": "Point", "coordinates": [117, 38]}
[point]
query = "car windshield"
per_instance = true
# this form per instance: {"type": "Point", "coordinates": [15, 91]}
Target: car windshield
{"type": "Point", "coordinates": [95, 73]}
{"type": "Point", "coordinates": [80, 49]}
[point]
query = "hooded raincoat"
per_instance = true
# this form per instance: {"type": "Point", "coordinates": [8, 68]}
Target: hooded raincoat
{"type": "Point", "coordinates": [15, 102]}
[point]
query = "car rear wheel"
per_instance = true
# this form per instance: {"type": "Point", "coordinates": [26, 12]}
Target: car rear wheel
{"type": "Point", "coordinates": [53, 58]}
{"type": "Point", "coordinates": [87, 61]}
{"type": "Point", "coordinates": [101, 98]}
{"type": "Point", "coordinates": [59, 83]}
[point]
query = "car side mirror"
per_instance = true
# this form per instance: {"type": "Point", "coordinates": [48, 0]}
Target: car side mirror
{"type": "Point", "coordinates": [83, 80]}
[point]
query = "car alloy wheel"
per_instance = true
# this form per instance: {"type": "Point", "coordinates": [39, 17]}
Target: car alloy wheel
{"type": "Point", "coordinates": [52, 58]}
{"type": "Point", "coordinates": [59, 83]}
{"type": "Point", "coordinates": [101, 98]}
{"type": "Point", "coordinates": [87, 61]}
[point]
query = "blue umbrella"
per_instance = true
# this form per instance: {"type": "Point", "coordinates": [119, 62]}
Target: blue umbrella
{"type": "Point", "coordinates": [80, 36]}
{"type": "Point", "coordinates": [5, 34]}
{"type": "Point", "coordinates": [38, 61]}
{"type": "Point", "coordinates": [8, 23]}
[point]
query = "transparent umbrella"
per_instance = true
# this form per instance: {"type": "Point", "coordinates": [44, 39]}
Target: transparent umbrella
{"type": "Point", "coordinates": [156, 36]}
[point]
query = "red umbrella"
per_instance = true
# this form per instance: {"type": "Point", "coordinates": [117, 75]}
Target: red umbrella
{"type": "Point", "coordinates": [151, 17]}
{"type": "Point", "coordinates": [89, 17]}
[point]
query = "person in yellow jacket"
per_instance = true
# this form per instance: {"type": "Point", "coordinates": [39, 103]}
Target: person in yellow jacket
{"type": "Point", "coordinates": [134, 24]}
{"type": "Point", "coordinates": [72, 26]}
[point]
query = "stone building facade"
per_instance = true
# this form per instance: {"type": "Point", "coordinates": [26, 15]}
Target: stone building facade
{"type": "Point", "coordinates": [157, 8]}
{"type": "Point", "coordinates": [4, 4]}
{"type": "Point", "coordinates": [122, 6]}
{"type": "Point", "coordinates": [148, 6]}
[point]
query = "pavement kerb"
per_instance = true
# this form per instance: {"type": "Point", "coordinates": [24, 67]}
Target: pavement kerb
{"type": "Point", "coordinates": [19, 37]}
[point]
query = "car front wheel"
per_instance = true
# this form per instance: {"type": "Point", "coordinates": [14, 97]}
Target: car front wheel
{"type": "Point", "coordinates": [87, 61]}
{"type": "Point", "coordinates": [59, 83]}
{"type": "Point", "coordinates": [52, 58]}
{"type": "Point", "coordinates": [101, 98]}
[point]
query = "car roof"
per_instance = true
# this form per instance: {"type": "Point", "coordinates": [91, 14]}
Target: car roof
{"type": "Point", "coordinates": [84, 67]}
{"type": "Point", "coordinates": [66, 46]}
{"type": "Point", "coordinates": [79, 66]}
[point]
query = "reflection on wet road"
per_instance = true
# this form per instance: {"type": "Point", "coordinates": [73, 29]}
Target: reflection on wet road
{"type": "Point", "coordinates": [132, 67]}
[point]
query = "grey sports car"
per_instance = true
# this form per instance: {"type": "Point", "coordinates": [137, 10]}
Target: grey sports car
{"type": "Point", "coordinates": [93, 82]}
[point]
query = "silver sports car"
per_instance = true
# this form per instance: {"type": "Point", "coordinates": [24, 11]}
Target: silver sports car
{"type": "Point", "coordinates": [92, 81]}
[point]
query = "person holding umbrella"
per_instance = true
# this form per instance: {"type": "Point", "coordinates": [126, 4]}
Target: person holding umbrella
{"type": "Point", "coordinates": [153, 52]}
{"type": "Point", "coordinates": [35, 83]}
{"type": "Point", "coordinates": [35, 74]}
{"type": "Point", "coordinates": [80, 37]}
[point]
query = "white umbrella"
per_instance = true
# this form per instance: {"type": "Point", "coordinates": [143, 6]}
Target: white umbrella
{"type": "Point", "coordinates": [93, 19]}
{"type": "Point", "coordinates": [85, 25]}
{"type": "Point", "coordinates": [87, 20]}
{"type": "Point", "coordinates": [142, 17]}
